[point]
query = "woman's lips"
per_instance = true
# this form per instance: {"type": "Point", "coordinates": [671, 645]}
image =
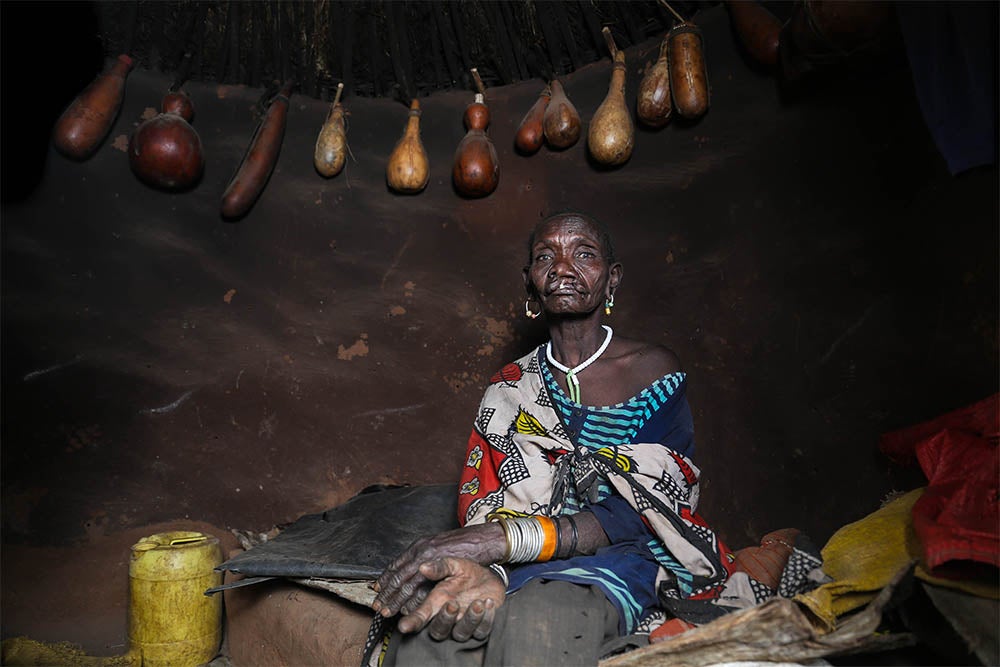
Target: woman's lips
{"type": "Point", "coordinates": [563, 289]}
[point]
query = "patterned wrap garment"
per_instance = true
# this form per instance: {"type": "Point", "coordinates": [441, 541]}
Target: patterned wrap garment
{"type": "Point", "coordinates": [534, 451]}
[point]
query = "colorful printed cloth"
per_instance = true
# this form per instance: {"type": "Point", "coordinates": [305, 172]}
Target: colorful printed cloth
{"type": "Point", "coordinates": [526, 456]}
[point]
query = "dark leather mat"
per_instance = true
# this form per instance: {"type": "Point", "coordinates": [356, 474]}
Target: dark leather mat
{"type": "Point", "coordinates": [356, 540]}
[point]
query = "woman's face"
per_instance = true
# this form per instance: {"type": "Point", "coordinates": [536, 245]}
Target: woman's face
{"type": "Point", "coordinates": [569, 273]}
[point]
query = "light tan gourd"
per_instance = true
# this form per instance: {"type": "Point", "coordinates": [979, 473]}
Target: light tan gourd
{"type": "Point", "coordinates": [331, 144]}
{"type": "Point", "coordinates": [611, 135]}
{"type": "Point", "coordinates": [408, 168]}
{"type": "Point", "coordinates": [653, 105]}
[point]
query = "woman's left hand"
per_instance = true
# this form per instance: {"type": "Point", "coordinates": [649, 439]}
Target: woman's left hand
{"type": "Point", "coordinates": [402, 587]}
{"type": "Point", "coordinates": [462, 603]}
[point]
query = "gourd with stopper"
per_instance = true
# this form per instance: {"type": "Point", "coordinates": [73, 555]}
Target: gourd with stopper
{"type": "Point", "coordinates": [331, 144]}
{"type": "Point", "coordinates": [408, 168]}
{"type": "Point", "coordinates": [611, 135]}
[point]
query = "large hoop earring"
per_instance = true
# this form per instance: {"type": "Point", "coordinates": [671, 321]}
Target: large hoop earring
{"type": "Point", "coordinates": [527, 310]}
{"type": "Point", "coordinates": [609, 303]}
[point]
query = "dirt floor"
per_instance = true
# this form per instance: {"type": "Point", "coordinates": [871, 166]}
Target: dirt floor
{"type": "Point", "coordinates": [805, 252]}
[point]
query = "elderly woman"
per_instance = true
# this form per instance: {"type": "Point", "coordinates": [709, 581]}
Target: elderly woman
{"type": "Point", "coordinates": [577, 496]}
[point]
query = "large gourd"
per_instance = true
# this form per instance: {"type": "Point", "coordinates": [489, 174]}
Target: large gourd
{"type": "Point", "coordinates": [331, 144]}
{"type": "Point", "coordinates": [259, 160]}
{"type": "Point", "coordinates": [561, 122]}
{"type": "Point", "coordinates": [87, 120]}
{"type": "Point", "coordinates": [165, 151]}
{"type": "Point", "coordinates": [408, 168]}
{"type": "Point", "coordinates": [530, 133]}
{"type": "Point", "coordinates": [653, 105]}
{"type": "Point", "coordinates": [611, 135]}
{"type": "Point", "coordinates": [688, 76]}
{"type": "Point", "coordinates": [476, 170]}
{"type": "Point", "coordinates": [758, 29]}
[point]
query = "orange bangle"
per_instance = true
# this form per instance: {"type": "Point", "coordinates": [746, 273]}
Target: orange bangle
{"type": "Point", "coordinates": [549, 546]}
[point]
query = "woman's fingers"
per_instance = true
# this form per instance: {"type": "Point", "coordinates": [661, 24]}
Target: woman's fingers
{"type": "Point", "coordinates": [465, 626]}
{"type": "Point", "coordinates": [397, 593]}
{"type": "Point", "coordinates": [485, 626]}
{"type": "Point", "coordinates": [417, 599]}
{"type": "Point", "coordinates": [441, 625]}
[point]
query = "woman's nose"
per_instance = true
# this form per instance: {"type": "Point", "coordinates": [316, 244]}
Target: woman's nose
{"type": "Point", "coordinates": [561, 266]}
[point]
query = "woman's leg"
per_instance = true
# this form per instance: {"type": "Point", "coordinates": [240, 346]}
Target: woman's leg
{"type": "Point", "coordinates": [552, 623]}
{"type": "Point", "coordinates": [545, 623]}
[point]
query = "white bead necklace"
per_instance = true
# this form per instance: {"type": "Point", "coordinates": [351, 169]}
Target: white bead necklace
{"type": "Point", "coordinates": [571, 379]}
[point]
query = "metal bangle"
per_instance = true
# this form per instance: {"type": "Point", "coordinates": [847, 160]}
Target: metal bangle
{"type": "Point", "coordinates": [499, 570]}
{"type": "Point", "coordinates": [575, 538]}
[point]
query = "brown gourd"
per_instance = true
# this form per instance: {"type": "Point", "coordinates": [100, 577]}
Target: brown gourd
{"type": "Point", "coordinates": [758, 29]}
{"type": "Point", "coordinates": [688, 76]}
{"type": "Point", "coordinates": [611, 135]}
{"type": "Point", "coordinates": [408, 168]}
{"type": "Point", "coordinates": [330, 153]}
{"type": "Point", "coordinates": [561, 123]}
{"type": "Point", "coordinates": [260, 158]}
{"type": "Point", "coordinates": [165, 151]}
{"type": "Point", "coordinates": [476, 170]}
{"type": "Point", "coordinates": [653, 105]}
{"type": "Point", "coordinates": [87, 120]}
{"type": "Point", "coordinates": [530, 133]}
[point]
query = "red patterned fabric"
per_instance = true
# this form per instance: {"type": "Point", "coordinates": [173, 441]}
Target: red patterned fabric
{"type": "Point", "coordinates": [958, 516]}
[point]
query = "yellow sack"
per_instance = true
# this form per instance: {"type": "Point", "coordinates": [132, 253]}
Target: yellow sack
{"type": "Point", "coordinates": [863, 556]}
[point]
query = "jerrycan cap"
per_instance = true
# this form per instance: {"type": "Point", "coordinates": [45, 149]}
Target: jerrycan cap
{"type": "Point", "coordinates": [170, 540]}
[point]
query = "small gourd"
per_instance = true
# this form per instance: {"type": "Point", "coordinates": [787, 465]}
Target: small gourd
{"type": "Point", "coordinates": [530, 133]}
{"type": "Point", "coordinates": [653, 105]}
{"type": "Point", "coordinates": [561, 122]}
{"type": "Point", "coordinates": [331, 144]}
{"type": "Point", "coordinates": [408, 168]}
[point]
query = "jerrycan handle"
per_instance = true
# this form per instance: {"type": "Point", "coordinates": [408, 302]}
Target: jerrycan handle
{"type": "Point", "coordinates": [187, 540]}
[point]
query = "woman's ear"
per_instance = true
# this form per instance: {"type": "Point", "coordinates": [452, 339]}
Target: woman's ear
{"type": "Point", "coordinates": [615, 277]}
{"type": "Point", "coordinates": [528, 287]}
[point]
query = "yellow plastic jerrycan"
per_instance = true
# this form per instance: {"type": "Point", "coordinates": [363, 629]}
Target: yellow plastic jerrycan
{"type": "Point", "coordinates": [171, 622]}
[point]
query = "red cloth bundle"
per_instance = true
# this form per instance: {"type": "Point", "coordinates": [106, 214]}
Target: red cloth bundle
{"type": "Point", "coordinates": [958, 516]}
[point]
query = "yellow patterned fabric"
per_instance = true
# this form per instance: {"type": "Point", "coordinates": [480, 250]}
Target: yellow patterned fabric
{"type": "Point", "coordinates": [863, 556]}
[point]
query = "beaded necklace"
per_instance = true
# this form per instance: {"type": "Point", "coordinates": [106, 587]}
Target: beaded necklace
{"type": "Point", "coordinates": [571, 379]}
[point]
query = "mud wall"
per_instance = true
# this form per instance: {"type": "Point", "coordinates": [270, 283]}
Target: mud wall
{"type": "Point", "coordinates": [820, 275]}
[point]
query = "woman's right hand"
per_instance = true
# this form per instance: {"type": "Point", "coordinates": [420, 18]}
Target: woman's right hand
{"type": "Point", "coordinates": [403, 587]}
{"type": "Point", "coordinates": [462, 604]}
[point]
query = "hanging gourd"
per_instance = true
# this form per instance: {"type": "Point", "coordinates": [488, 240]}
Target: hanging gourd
{"type": "Point", "coordinates": [688, 76]}
{"type": "Point", "coordinates": [408, 168]}
{"type": "Point", "coordinates": [758, 29]}
{"type": "Point", "coordinates": [653, 105]}
{"type": "Point", "coordinates": [259, 160]}
{"type": "Point", "coordinates": [530, 133]}
{"type": "Point", "coordinates": [561, 122]}
{"type": "Point", "coordinates": [165, 151]}
{"type": "Point", "coordinates": [476, 170]}
{"type": "Point", "coordinates": [87, 120]}
{"type": "Point", "coordinates": [611, 135]}
{"type": "Point", "coordinates": [331, 144]}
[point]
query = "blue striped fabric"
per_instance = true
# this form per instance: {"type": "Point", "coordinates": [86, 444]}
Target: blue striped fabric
{"type": "Point", "coordinates": [625, 571]}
